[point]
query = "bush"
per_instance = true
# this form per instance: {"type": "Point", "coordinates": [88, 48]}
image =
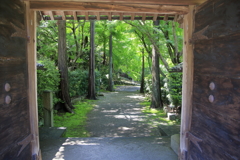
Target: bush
{"type": "Point", "coordinates": [78, 82]}
{"type": "Point", "coordinates": [47, 79]}
{"type": "Point", "coordinates": [173, 88]}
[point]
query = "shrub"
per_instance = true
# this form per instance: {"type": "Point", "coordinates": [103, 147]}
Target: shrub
{"type": "Point", "coordinates": [78, 82]}
{"type": "Point", "coordinates": [47, 79]}
{"type": "Point", "coordinates": [173, 87]}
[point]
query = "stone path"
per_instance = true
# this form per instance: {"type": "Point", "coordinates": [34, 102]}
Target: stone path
{"type": "Point", "coordinates": [118, 114]}
{"type": "Point", "coordinates": [118, 132]}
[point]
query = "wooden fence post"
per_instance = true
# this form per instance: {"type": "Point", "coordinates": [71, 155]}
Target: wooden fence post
{"type": "Point", "coordinates": [48, 108]}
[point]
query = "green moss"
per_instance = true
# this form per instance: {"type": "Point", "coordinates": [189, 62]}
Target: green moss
{"type": "Point", "coordinates": [75, 123]}
{"type": "Point", "coordinates": [156, 117]}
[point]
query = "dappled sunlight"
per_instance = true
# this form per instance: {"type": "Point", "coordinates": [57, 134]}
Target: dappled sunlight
{"type": "Point", "coordinates": [60, 154]}
{"type": "Point", "coordinates": [110, 111]}
{"type": "Point", "coordinates": [136, 97]}
{"type": "Point", "coordinates": [77, 142]}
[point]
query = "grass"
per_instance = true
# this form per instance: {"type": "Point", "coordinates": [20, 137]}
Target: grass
{"type": "Point", "coordinates": [75, 122]}
{"type": "Point", "coordinates": [156, 116]}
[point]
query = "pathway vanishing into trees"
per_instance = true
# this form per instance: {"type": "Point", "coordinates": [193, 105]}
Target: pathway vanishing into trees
{"type": "Point", "coordinates": [118, 132]}
{"type": "Point", "coordinates": [118, 114]}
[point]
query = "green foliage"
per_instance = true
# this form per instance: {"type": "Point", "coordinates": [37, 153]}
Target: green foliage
{"type": "Point", "coordinates": [78, 82]}
{"type": "Point", "coordinates": [156, 117]}
{"type": "Point", "coordinates": [173, 87]}
{"type": "Point", "coordinates": [47, 79]}
{"type": "Point", "coordinates": [75, 122]}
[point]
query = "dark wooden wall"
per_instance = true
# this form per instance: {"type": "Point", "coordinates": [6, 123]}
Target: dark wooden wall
{"type": "Point", "coordinates": [14, 112]}
{"type": "Point", "coordinates": [217, 60]}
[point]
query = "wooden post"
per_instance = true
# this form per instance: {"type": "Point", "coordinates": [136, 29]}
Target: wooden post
{"type": "Point", "coordinates": [32, 78]}
{"type": "Point", "coordinates": [48, 108]}
{"type": "Point", "coordinates": [187, 83]}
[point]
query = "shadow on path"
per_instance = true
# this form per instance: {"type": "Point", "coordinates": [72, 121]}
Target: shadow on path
{"type": "Point", "coordinates": [118, 132]}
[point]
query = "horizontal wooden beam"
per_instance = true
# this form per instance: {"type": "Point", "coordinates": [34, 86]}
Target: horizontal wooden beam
{"type": "Point", "coordinates": [156, 2]}
{"type": "Point", "coordinates": [107, 7]}
{"type": "Point", "coordinates": [107, 18]}
{"type": "Point", "coordinates": [83, 13]}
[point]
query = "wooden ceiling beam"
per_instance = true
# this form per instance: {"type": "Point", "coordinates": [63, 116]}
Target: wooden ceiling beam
{"type": "Point", "coordinates": [155, 17]}
{"type": "Point", "coordinates": [143, 17]}
{"type": "Point", "coordinates": [86, 16]}
{"type": "Point", "coordinates": [108, 7]}
{"type": "Point", "coordinates": [78, 13]}
{"type": "Point", "coordinates": [63, 15]}
{"type": "Point", "coordinates": [132, 16]}
{"type": "Point", "coordinates": [155, 2]}
{"type": "Point", "coordinates": [113, 18]}
{"type": "Point", "coordinates": [121, 17]}
{"type": "Point", "coordinates": [51, 15]}
{"type": "Point", "coordinates": [165, 17]}
{"type": "Point", "coordinates": [75, 15]}
{"type": "Point", "coordinates": [98, 16]}
{"type": "Point", "coordinates": [110, 16]}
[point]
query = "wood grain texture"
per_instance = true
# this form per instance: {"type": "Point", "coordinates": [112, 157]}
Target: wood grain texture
{"type": "Point", "coordinates": [14, 124]}
{"type": "Point", "coordinates": [109, 7]}
{"type": "Point", "coordinates": [171, 2]}
{"type": "Point", "coordinates": [187, 81]}
{"type": "Point", "coordinates": [216, 59]}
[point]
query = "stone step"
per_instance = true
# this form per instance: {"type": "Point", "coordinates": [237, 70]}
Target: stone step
{"type": "Point", "coordinates": [175, 143]}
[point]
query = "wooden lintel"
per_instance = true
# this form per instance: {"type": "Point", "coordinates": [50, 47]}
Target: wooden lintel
{"type": "Point", "coordinates": [155, 17]}
{"type": "Point", "coordinates": [63, 15]}
{"type": "Point", "coordinates": [109, 7]}
{"type": "Point", "coordinates": [132, 16]}
{"type": "Point", "coordinates": [144, 17]}
{"type": "Point", "coordinates": [106, 17]}
{"type": "Point", "coordinates": [75, 15]}
{"type": "Point", "coordinates": [156, 2]}
{"type": "Point", "coordinates": [165, 17]}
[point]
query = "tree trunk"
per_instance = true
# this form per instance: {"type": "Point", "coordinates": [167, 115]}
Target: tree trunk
{"type": "Point", "coordinates": [110, 82]}
{"type": "Point", "coordinates": [62, 66]}
{"type": "Point", "coordinates": [91, 80]}
{"type": "Point", "coordinates": [156, 91]}
{"type": "Point", "coordinates": [143, 68]}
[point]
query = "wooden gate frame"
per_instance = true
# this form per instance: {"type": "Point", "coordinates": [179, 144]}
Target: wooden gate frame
{"type": "Point", "coordinates": [187, 81]}
{"type": "Point", "coordinates": [32, 78]}
{"type": "Point", "coordinates": [187, 86]}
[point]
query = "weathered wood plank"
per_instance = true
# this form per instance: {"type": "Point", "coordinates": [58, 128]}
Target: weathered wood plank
{"type": "Point", "coordinates": [214, 57]}
{"type": "Point", "coordinates": [79, 13]}
{"type": "Point", "coordinates": [171, 2]}
{"type": "Point", "coordinates": [32, 77]}
{"type": "Point", "coordinates": [14, 111]}
{"type": "Point", "coordinates": [222, 20]}
{"type": "Point", "coordinates": [216, 60]}
{"type": "Point", "coordinates": [109, 7]}
{"type": "Point", "coordinates": [107, 18]}
{"type": "Point", "coordinates": [187, 83]}
{"type": "Point", "coordinates": [214, 135]}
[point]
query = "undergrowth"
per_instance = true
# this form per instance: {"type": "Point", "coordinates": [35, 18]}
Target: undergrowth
{"type": "Point", "coordinates": [156, 116]}
{"type": "Point", "coordinates": [75, 123]}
